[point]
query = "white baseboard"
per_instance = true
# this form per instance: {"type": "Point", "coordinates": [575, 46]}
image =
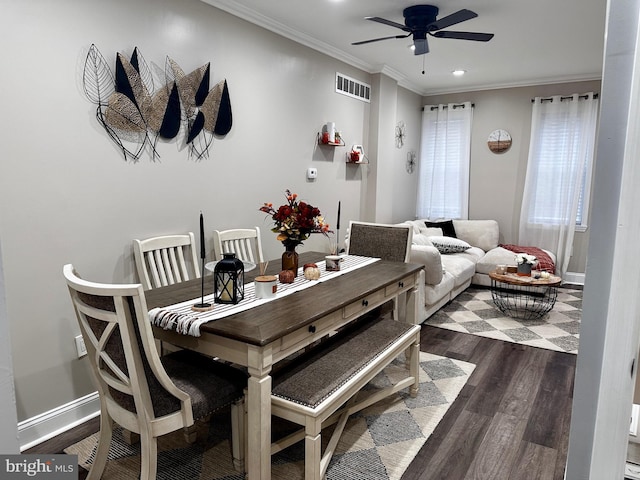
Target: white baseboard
{"type": "Point", "coordinates": [47, 425]}
{"type": "Point", "coordinates": [631, 471]}
{"type": "Point", "coordinates": [574, 278]}
{"type": "Point", "coordinates": [633, 425]}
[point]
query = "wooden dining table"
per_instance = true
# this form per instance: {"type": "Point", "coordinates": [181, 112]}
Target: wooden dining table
{"type": "Point", "coordinates": [260, 337]}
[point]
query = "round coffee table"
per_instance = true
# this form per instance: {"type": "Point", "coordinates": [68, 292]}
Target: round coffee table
{"type": "Point", "coordinates": [526, 298]}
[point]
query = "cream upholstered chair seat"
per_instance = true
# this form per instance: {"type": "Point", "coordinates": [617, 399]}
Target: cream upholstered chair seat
{"type": "Point", "coordinates": [165, 260]}
{"type": "Point", "coordinates": [140, 391]}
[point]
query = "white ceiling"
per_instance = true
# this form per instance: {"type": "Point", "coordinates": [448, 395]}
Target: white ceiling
{"type": "Point", "coordinates": [535, 42]}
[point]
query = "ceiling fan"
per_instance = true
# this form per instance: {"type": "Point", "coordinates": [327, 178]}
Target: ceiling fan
{"type": "Point", "coordinates": [420, 20]}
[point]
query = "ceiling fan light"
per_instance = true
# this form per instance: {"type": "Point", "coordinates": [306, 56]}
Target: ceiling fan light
{"type": "Point", "coordinates": [459, 72]}
{"type": "Point", "coordinates": [420, 46]}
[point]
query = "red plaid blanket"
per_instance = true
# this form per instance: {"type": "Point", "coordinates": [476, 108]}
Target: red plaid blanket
{"type": "Point", "coordinates": [544, 260]}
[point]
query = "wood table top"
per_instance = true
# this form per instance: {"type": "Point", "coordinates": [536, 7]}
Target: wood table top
{"type": "Point", "coordinates": [515, 279]}
{"type": "Point", "coordinates": [268, 322]}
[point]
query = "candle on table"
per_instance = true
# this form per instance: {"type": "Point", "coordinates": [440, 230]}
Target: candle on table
{"type": "Point", "coordinates": [225, 294]}
{"type": "Point", "coordinates": [202, 252]}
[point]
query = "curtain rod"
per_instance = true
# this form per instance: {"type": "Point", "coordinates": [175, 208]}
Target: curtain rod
{"type": "Point", "coordinates": [570, 97]}
{"type": "Point", "coordinates": [447, 106]}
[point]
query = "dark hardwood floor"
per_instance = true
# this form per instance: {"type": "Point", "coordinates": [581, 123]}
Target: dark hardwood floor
{"type": "Point", "coordinates": [511, 420]}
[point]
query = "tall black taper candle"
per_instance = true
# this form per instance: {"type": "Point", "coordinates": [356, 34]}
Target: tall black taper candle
{"type": "Point", "coordinates": [202, 254]}
{"type": "Point", "coordinates": [337, 252]}
{"type": "Point", "coordinates": [202, 306]}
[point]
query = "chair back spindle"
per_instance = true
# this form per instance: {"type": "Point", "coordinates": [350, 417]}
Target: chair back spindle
{"type": "Point", "coordinates": [244, 242]}
{"type": "Point", "coordinates": [166, 260]}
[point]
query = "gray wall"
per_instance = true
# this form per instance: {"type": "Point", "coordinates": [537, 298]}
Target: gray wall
{"type": "Point", "coordinates": [8, 425]}
{"type": "Point", "coordinates": [497, 180]}
{"type": "Point", "coordinates": [66, 194]}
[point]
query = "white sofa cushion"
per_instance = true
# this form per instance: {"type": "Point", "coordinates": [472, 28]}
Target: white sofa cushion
{"type": "Point", "coordinates": [460, 267]}
{"type": "Point", "coordinates": [420, 228]}
{"type": "Point", "coordinates": [494, 257]}
{"type": "Point", "coordinates": [473, 254]}
{"type": "Point", "coordinates": [428, 256]}
{"type": "Point", "coordinates": [419, 239]}
{"type": "Point", "coordinates": [433, 293]}
{"type": "Point", "coordinates": [479, 233]}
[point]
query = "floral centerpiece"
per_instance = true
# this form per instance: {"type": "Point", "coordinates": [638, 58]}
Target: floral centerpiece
{"type": "Point", "coordinates": [523, 258]}
{"type": "Point", "coordinates": [525, 262]}
{"type": "Point", "coordinates": [294, 222]}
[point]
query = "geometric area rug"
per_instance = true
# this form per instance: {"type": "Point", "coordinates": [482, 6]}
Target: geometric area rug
{"type": "Point", "coordinates": [474, 312]}
{"type": "Point", "coordinates": [378, 442]}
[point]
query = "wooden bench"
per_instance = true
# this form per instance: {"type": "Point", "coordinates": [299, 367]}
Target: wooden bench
{"type": "Point", "coordinates": [322, 388]}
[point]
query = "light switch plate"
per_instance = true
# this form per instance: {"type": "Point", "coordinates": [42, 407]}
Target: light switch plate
{"type": "Point", "coordinates": [312, 173]}
{"type": "Point", "coordinates": [80, 346]}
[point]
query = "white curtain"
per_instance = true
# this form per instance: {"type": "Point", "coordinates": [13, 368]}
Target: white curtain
{"type": "Point", "coordinates": [561, 150]}
{"type": "Point", "coordinates": [443, 169]}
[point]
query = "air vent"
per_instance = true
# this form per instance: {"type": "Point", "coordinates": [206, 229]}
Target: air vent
{"type": "Point", "coordinates": [353, 88]}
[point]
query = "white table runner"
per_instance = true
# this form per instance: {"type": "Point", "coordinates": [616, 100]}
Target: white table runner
{"type": "Point", "coordinates": [182, 319]}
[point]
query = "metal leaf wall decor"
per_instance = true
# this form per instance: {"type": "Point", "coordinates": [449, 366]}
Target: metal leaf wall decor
{"type": "Point", "coordinates": [131, 109]}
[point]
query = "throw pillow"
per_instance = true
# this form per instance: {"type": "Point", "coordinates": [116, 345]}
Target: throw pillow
{"type": "Point", "coordinates": [447, 227]}
{"type": "Point", "coordinates": [449, 245]}
{"type": "Point", "coordinates": [431, 232]}
{"type": "Point", "coordinates": [421, 239]}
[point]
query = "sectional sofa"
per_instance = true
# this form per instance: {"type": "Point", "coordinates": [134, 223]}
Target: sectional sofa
{"type": "Point", "coordinates": [455, 253]}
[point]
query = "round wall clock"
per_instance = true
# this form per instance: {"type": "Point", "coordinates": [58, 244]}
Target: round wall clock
{"type": "Point", "coordinates": [401, 134]}
{"type": "Point", "coordinates": [499, 141]}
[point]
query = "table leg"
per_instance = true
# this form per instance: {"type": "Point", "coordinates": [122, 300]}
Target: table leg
{"type": "Point", "coordinates": [258, 456]}
{"type": "Point", "coordinates": [413, 299]}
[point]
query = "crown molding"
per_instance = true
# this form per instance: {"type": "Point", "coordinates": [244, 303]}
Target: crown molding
{"type": "Point", "coordinates": [526, 83]}
{"type": "Point", "coordinates": [256, 18]}
{"type": "Point", "coordinates": [267, 23]}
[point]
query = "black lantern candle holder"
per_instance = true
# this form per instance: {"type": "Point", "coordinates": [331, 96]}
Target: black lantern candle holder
{"type": "Point", "coordinates": [228, 280]}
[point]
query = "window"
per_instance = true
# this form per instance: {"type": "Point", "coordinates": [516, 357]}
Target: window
{"type": "Point", "coordinates": [556, 191]}
{"type": "Point", "coordinates": [443, 188]}
{"type": "Point", "coordinates": [560, 160]}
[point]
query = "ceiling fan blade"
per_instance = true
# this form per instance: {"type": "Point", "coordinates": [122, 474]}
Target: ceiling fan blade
{"type": "Point", "coordinates": [378, 39]}
{"type": "Point", "coordinates": [457, 17]}
{"type": "Point", "coordinates": [478, 37]}
{"type": "Point", "coordinates": [388, 22]}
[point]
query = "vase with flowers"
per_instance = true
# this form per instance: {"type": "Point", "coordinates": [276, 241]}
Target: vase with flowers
{"type": "Point", "coordinates": [525, 263]}
{"type": "Point", "coordinates": [294, 222]}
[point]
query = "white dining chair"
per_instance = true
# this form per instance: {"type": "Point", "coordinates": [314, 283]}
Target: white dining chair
{"type": "Point", "coordinates": [244, 242]}
{"type": "Point", "coordinates": [165, 260]}
{"type": "Point", "coordinates": [142, 392]}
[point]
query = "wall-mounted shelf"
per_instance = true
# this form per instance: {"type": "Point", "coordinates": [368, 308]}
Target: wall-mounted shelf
{"type": "Point", "coordinates": [356, 156]}
{"type": "Point", "coordinates": [330, 144]}
{"type": "Point", "coordinates": [363, 160]}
